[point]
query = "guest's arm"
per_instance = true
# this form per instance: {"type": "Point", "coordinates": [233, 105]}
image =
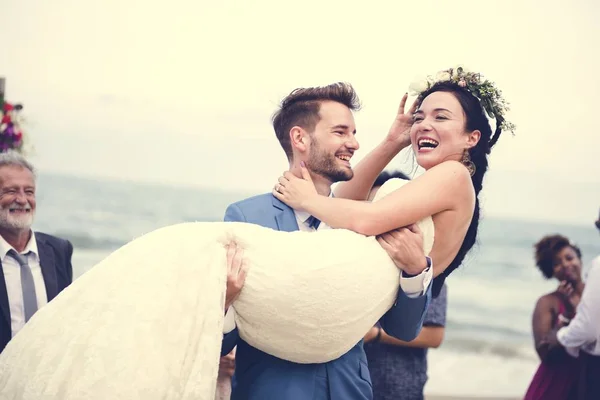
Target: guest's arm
{"type": "Point", "coordinates": [542, 321]}
{"type": "Point", "coordinates": [429, 337]}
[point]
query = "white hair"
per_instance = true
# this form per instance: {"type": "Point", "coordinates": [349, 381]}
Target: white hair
{"type": "Point", "coordinates": [13, 158]}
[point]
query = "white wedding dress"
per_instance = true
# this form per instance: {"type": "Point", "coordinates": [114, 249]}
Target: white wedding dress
{"type": "Point", "coordinates": [146, 322]}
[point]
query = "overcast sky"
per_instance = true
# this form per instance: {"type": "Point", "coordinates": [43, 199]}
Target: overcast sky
{"type": "Point", "coordinates": [183, 91]}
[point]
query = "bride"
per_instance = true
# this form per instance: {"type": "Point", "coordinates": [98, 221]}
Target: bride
{"type": "Point", "coordinates": [147, 322]}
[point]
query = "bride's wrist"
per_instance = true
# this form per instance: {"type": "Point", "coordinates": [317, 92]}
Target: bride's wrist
{"type": "Point", "coordinates": [393, 145]}
{"type": "Point", "coordinates": [308, 204]}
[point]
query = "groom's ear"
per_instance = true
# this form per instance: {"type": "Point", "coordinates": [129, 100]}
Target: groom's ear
{"type": "Point", "coordinates": [299, 139]}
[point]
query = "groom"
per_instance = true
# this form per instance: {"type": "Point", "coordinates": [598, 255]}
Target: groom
{"type": "Point", "coordinates": [316, 126]}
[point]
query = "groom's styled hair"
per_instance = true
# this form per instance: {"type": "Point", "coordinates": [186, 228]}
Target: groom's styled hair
{"type": "Point", "coordinates": [301, 108]}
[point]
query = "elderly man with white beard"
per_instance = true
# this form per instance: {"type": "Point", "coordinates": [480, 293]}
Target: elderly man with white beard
{"type": "Point", "coordinates": [34, 266]}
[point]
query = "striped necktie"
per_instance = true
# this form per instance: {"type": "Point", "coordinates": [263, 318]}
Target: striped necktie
{"type": "Point", "coordinates": [27, 285]}
{"type": "Point", "coordinates": [313, 222]}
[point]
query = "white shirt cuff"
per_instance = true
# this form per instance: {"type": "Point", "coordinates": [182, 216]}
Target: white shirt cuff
{"type": "Point", "coordinates": [229, 321]}
{"type": "Point", "coordinates": [417, 285]}
{"type": "Point", "coordinates": [560, 337]}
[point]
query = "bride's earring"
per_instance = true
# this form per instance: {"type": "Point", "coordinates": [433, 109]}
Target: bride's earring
{"type": "Point", "coordinates": [466, 160]}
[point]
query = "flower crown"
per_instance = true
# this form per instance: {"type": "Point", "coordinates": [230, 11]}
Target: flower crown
{"type": "Point", "coordinates": [489, 96]}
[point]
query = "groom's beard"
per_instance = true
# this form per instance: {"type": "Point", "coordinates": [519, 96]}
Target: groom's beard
{"type": "Point", "coordinates": [322, 163]}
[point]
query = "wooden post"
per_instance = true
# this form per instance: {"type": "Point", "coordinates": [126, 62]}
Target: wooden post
{"type": "Point", "coordinates": [2, 88]}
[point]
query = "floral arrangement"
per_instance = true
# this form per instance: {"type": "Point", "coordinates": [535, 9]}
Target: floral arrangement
{"type": "Point", "coordinates": [490, 97]}
{"type": "Point", "coordinates": [11, 132]}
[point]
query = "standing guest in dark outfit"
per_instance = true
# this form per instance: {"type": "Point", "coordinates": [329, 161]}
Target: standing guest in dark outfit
{"type": "Point", "coordinates": [398, 367]}
{"type": "Point", "coordinates": [580, 337]}
{"type": "Point", "coordinates": [557, 376]}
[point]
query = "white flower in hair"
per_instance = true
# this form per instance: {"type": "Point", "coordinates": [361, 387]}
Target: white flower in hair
{"type": "Point", "coordinates": [443, 76]}
{"type": "Point", "coordinates": [418, 86]}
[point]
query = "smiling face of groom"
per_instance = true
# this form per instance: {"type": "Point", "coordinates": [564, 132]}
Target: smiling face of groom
{"type": "Point", "coordinates": [332, 144]}
{"type": "Point", "coordinates": [316, 125]}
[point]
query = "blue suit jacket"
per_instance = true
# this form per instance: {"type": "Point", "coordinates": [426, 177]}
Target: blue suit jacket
{"type": "Point", "coordinates": [260, 376]}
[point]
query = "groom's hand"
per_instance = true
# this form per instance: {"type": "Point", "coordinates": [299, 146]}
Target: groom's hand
{"type": "Point", "coordinates": [405, 248]}
{"type": "Point", "coordinates": [237, 269]}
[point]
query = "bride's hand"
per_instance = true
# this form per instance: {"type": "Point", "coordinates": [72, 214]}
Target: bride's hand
{"type": "Point", "coordinates": [399, 132]}
{"type": "Point", "coordinates": [295, 191]}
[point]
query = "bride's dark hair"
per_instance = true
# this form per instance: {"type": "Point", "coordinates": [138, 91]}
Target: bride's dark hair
{"type": "Point", "coordinates": [475, 120]}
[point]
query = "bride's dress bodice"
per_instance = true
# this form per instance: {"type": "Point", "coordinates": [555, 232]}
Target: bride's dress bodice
{"type": "Point", "coordinates": [426, 225]}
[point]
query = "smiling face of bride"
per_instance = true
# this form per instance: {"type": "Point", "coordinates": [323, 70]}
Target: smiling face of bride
{"type": "Point", "coordinates": [439, 132]}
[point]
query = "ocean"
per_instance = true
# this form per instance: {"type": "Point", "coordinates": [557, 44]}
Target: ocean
{"type": "Point", "coordinates": [488, 346]}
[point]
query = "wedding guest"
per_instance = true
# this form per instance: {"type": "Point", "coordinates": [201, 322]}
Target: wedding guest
{"type": "Point", "coordinates": [34, 266]}
{"type": "Point", "coordinates": [581, 336]}
{"type": "Point", "coordinates": [557, 376]}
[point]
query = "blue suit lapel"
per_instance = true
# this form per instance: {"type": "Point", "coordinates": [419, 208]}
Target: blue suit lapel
{"type": "Point", "coordinates": [48, 268]}
{"type": "Point", "coordinates": [284, 216]}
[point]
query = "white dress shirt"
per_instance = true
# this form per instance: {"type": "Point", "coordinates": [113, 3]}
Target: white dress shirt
{"type": "Point", "coordinates": [583, 332]}
{"type": "Point", "coordinates": [12, 278]}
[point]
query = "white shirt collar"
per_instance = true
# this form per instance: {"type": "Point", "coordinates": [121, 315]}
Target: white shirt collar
{"type": "Point", "coordinates": [5, 247]}
{"type": "Point", "coordinates": [303, 215]}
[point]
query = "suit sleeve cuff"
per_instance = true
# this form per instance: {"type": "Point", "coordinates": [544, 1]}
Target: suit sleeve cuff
{"type": "Point", "coordinates": [229, 321]}
{"type": "Point", "coordinates": [415, 286]}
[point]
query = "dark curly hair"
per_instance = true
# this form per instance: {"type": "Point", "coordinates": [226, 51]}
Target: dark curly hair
{"type": "Point", "coordinates": [475, 120]}
{"type": "Point", "coordinates": [546, 250]}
